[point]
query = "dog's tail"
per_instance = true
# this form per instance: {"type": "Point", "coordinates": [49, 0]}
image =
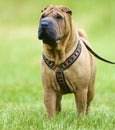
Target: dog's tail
{"type": "Point", "coordinates": [82, 33]}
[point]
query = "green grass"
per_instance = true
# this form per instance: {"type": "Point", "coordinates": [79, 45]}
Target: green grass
{"type": "Point", "coordinates": [21, 91]}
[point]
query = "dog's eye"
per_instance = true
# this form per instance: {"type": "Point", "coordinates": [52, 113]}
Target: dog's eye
{"type": "Point", "coordinates": [43, 16]}
{"type": "Point", "coordinates": [59, 16]}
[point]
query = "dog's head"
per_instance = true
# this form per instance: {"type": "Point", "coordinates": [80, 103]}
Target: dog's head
{"type": "Point", "coordinates": [55, 24]}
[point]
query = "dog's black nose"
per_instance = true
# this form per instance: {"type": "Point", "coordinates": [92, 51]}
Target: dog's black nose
{"type": "Point", "coordinates": [44, 24]}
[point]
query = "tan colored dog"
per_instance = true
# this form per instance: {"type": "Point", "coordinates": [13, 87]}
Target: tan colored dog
{"type": "Point", "coordinates": [60, 39]}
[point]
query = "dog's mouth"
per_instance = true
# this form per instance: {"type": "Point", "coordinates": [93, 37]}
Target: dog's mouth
{"type": "Point", "coordinates": [48, 37]}
{"type": "Point", "coordinates": [48, 40]}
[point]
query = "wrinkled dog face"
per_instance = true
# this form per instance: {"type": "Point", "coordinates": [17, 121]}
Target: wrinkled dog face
{"type": "Point", "coordinates": [53, 24]}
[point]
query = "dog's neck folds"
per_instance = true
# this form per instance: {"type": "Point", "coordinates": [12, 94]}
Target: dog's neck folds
{"type": "Point", "coordinates": [62, 50]}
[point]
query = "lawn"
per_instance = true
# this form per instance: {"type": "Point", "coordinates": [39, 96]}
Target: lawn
{"type": "Point", "coordinates": [21, 99]}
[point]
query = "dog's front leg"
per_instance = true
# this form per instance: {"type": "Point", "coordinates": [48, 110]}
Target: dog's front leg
{"type": "Point", "coordinates": [50, 102]}
{"type": "Point", "coordinates": [81, 101]}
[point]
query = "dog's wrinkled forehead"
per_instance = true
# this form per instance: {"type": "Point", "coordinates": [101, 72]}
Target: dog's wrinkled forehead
{"type": "Point", "coordinates": [51, 9]}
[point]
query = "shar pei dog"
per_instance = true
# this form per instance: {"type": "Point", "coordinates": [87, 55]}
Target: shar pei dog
{"type": "Point", "coordinates": [66, 65]}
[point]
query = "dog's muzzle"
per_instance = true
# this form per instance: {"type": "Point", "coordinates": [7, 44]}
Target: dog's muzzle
{"type": "Point", "coordinates": [47, 31]}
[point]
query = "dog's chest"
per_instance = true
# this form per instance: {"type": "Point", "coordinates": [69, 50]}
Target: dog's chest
{"type": "Point", "coordinates": [61, 80]}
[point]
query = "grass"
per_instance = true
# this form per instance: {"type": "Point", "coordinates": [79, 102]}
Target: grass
{"type": "Point", "coordinates": [21, 99]}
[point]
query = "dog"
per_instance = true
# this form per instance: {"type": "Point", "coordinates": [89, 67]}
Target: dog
{"type": "Point", "coordinates": [66, 65]}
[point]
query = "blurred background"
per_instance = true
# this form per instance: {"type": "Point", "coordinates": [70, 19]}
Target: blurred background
{"type": "Point", "coordinates": [20, 50]}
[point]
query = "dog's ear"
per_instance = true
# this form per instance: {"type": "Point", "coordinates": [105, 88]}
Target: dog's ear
{"type": "Point", "coordinates": [66, 9]}
{"type": "Point", "coordinates": [48, 6]}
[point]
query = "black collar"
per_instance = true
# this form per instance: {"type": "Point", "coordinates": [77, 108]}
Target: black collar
{"type": "Point", "coordinates": [68, 62]}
